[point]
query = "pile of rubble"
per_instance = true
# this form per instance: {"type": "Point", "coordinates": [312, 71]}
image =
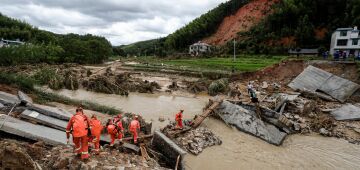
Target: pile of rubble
{"type": "Point", "coordinates": [22, 155]}
{"type": "Point", "coordinates": [192, 140]}
{"type": "Point", "coordinates": [196, 140]}
{"type": "Point", "coordinates": [315, 101]}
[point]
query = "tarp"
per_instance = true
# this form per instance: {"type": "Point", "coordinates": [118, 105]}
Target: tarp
{"type": "Point", "coordinates": [314, 79]}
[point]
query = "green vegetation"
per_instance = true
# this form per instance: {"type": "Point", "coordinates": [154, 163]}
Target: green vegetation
{"type": "Point", "coordinates": [153, 47]}
{"type": "Point", "coordinates": [44, 46]}
{"type": "Point", "coordinates": [242, 63]}
{"type": "Point", "coordinates": [218, 86]}
{"type": "Point", "coordinates": [299, 20]}
{"type": "Point", "coordinates": [27, 84]}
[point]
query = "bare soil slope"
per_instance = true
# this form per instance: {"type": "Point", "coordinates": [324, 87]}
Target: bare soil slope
{"type": "Point", "coordinates": [243, 20]}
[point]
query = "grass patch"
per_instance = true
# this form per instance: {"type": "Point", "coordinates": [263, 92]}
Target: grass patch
{"type": "Point", "coordinates": [241, 64]}
{"type": "Point", "coordinates": [27, 84]}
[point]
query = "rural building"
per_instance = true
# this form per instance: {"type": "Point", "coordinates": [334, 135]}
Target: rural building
{"type": "Point", "coordinates": [5, 43]}
{"type": "Point", "coordinates": [199, 48]}
{"type": "Point", "coordinates": [346, 40]}
{"type": "Point", "coordinates": [303, 52]}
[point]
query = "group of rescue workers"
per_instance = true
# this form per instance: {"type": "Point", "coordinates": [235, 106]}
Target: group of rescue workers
{"type": "Point", "coordinates": [85, 131]}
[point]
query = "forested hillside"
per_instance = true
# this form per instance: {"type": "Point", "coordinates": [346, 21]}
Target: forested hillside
{"type": "Point", "coordinates": [44, 46]}
{"type": "Point", "coordinates": [289, 24]}
{"type": "Point", "coordinates": [300, 23]}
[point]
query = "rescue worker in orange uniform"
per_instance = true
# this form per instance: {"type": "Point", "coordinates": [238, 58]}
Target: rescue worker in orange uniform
{"type": "Point", "coordinates": [111, 128]}
{"type": "Point", "coordinates": [96, 129]}
{"type": "Point", "coordinates": [178, 119]}
{"type": "Point", "coordinates": [78, 126]}
{"type": "Point", "coordinates": [119, 126]}
{"type": "Point", "coordinates": [134, 127]}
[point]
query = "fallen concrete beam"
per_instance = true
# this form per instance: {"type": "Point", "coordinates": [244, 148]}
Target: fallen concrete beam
{"type": "Point", "coordinates": [168, 148]}
{"type": "Point", "coordinates": [51, 111]}
{"type": "Point", "coordinates": [347, 112]}
{"type": "Point", "coordinates": [24, 98]}
{"type": "Point", "coordinates": [52, 122]}
{"type": "Point", "coordinates": [247, 121]}
{"type": "Point", "coordinates": [44, 120]}
{"type": "Point", "coordinates": [8, 99]}
{"type": "Point", "coordinates": [31, 131]}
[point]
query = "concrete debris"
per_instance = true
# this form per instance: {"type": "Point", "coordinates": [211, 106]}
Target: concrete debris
{"type": "Point", "coordinates": [264, 85]}
{"type": "Point", "coordinates": [8, 99]}
{"type": "Point", "coordinates": [315, 79]}
{"type": "Point", "coordinates": [325, 132]}
{"type": "Point", "coordinates": [24, 98]}
{"type": "Point", "coordinates": [347, 112]}
{"type": "Point", "coordinates": [31, 131]}
{"type": "Point", "coordinates": [18, 155]}
{"type": "Point", "coordinates": [51, 111]}
{"type": "Point", "coordinates": [132, 147]}
{"type": "Point", "coordinates": [44, 120]}
{"type": "Point", "coordinates": [167, 147]}
{"type": "Point", "coordinates": [247, 121]}
{"type": "Point", "coordinates": [1, 106]}
{"type": "Point", "coordinates": [196, 140]}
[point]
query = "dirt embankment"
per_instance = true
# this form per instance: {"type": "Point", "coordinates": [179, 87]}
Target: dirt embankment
{"type": "Point", "coordinates": [241, 21]}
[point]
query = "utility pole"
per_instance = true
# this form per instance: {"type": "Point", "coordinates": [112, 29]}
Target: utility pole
{"type": "Point", "coordinates": [234, 49]}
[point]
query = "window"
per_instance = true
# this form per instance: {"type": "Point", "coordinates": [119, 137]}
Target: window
{"type": "Point", "coordinates": [355, 42]}
{"type": "Point", "coordinates": [343, 33]}
{"type": "Point", "coordinates": [341, 42]}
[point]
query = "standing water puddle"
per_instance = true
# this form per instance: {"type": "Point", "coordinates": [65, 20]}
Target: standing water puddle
{"type": "Point", "coordinates": [239, 150]}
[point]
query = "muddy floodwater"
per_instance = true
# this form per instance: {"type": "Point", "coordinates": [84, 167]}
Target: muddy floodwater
{"type": "Point", "coordinates": [150, 106]}
{"type": "Point", "coordinates": [239, 150]}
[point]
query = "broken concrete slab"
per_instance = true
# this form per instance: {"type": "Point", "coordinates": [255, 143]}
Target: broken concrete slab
{"type": "Point", "coordinates": [8, 99]}
{"type": "Point", "coordinates": [52, 122]}
{"type": "Point", "coordinates": [168, 148]}
{"type": "Point", "coordinates": [347, 112]}
{"type": "Point", "coordinates": [51, 111]}
{"type": "Point", "coordinates": [31, 131]}
{"type": "Point", "coordinates": [44, 120]}
{"type": "Point", "coordinates": [247, 121]}
{"type": "Point", "coordinates": [24, 98]}
{"type": "Point", "coordinates": [314, 79]}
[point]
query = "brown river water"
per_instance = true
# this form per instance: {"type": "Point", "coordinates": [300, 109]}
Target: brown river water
{"type": "Point", "coordinates": [239, 150]}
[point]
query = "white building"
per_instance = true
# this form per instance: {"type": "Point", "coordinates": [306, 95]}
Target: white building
{"type": "Point", "coordinates": [199, 48]}
{"type": "Point", "coordinates": [347, 40]}
{"type": "Point", "coordinates": [5, 43]}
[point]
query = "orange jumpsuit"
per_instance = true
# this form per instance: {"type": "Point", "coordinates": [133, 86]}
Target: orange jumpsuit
{"type": "Point", "coordinates": [178, 119]}
{"type": "Point", "coordinates": [120, 128]}
{"type": "Point", "coordinates": [78, 124]}
{"type": "Point", "coordinates": [96, 129]}
{"type": "Point", "coordinates": [112, 132]}
{"type": "Point", "coordinates": [133, 128]}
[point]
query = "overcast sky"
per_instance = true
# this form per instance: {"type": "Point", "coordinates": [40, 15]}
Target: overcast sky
{"type": "Point", "coordinates": [120, 21]}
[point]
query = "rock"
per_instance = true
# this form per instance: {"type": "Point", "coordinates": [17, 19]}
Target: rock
{"type": "Point", "coordinates": [324, 132]}
{"type": "Point", "coordinates": [264, 85]}
{"type": "Point", "coordinates": [303, 125]}
{"type": "Point", "coordinates": [297, 126]}
{"type": "Point", "coordinates": [61, 163]}
{"type": "Point", "coordinates": [108, 167]}
{"type": "Point", "coordinates": [161, 119]}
